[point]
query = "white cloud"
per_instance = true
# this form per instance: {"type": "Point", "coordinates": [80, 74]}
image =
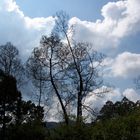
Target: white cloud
{"type": "Point", "coordinates": [95, 101]}
{"type": "Point", "coordinates": [21, 30]}
{"type": "Point", "coordinates": [120, 19]}
{"type": "Point", "coordinates": [126, 65]}
{"type": "Point", "coordinates": [115, 95]}
{"type": "Point", "coordinates": [131, 94]}
{"type": "Point", "coordinates": [114, 10]}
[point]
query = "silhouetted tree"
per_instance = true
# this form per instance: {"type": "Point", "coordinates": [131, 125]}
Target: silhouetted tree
{"type": "Point", "coordinates": [73, 69]}
{"type": "Point", "coordinates": [27, 131]}
{"type": "Point", "coordinates": [120, 108]}
{"type": "Point", "coordinates": [35, 71]}
{"type": "Point", "coordinates": [50, 58]}
{"type": "Point", "coordinates": [80, 70]}
{"type": "Point", "coordinates": [107, 111]}
{"type": "Point", "coordinates": [13, 110]}
{"type": "Point", "coordinates": [8, 96]}
{"type": "Point", "coordinates": [10, 62]}
{"type": "Point", "coordinates": [27, 112]}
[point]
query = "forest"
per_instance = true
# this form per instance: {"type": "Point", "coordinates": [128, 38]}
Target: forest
{"type": "Point", "coordinates": [68, 71]}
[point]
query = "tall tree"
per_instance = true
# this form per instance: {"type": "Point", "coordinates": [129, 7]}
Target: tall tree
{"type": "Point", "coordinates": [120, 108]}
{"type": "Point", "coordinates": [73, 69]}
{"type": "Point", "coordinates": [49, 54]}
{"type": "Point", "coordinates": [13, 110]}
{"type": "Point", "coordinates": [8, 96]}
{"type": "Point", "coordinates": [82, 72]}
{"type": "Point", "coordinates": [27, 112]}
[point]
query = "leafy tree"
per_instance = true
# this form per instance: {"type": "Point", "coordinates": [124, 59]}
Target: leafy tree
{"type": "Point", "coordinates": [8, 96]}
{"type": "Point", "coordinates": [122, 127]}
{"type": "Point", "coordinates": [13, 110]}
{"type": "Point", "coordinates": [26, 112]}
{"type": "Point", "coordinates": [120, 108]}
{"type": "Point", "coordinates": [124, 107]}
{"type": "Point", "coordinates": [27, 131]}
{"type": "Point", "coordinates": [107, 111]}
{"type": "Point", "coordinates": [119, 121]}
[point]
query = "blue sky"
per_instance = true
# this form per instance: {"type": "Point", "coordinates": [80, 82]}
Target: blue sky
{"type": "Point", "coordinates": [83, 9]}
{"type": "Point", "coordinates": [112, 26]}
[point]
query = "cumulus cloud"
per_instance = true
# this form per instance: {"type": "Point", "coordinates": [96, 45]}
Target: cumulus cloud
{"type": "Point", "coordinates": [131, 94]}
{"type": "Point", "coordinates": [21, 30]}
{"type": "Point", "coordinates": [115, 95]}
{"type": "Point", "coordinates": [120, 19]}
{"type": "Point", "coordinates": [124, 65]}
{"type": "Point", "coordinates": [114, 10]}
{"type": "Point", "coordinates": [95, 102]}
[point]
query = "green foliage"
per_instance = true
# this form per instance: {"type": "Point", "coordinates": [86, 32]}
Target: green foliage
{"type": "Point", "coordinates": [27, 111]}
{"type": "Point", "coordinates": [9, 95]}
{"type": "Point", "coordinates": [71, 132]}
{"type": "Point", "coordinates": [121, 128]}
{"type": "Point", "coordinates": [120, 108]}
{"type": "Point", "coordinates": [18, 119]}
{"type": "Point", "coordinates": [27, 131]}
{"type": "Point", "coordinates": [119, 121]}
{"type": "Point", "coordinates": [125, 126]}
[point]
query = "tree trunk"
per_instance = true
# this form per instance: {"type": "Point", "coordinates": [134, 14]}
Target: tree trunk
{"type": "Point", "coordinates": [79, 109]}
{"type": "Point", "coordinates": [40, 92]}
{"type": "Point", "coordinates": [79, 101]}
{"type": "Point", "coordinates": [58, 95]}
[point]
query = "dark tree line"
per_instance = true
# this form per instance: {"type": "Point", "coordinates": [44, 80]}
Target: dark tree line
{"type": "Point", "coordinates": [120, 108]}
{"type": "Point", "coordinates": [117, 121]}
{"type": "Point", "coordinates": [13, 110]}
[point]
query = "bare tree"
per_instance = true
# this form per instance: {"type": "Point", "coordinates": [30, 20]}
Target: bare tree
{"type": "Point", "coordinates": [35, 71]}
{"type": "Point", "coordinates": [50, 58]}
{"type": "Point", "coordinates": [84, 74]}
{"type": "Point", "coordinates": [73, 69]}
{"type": "Point", "coordinates": [10, 62]}
{"type": "Point", "coordinates": [80, 70]}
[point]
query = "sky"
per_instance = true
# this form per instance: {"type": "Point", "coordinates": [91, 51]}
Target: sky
{"type": "Point", "coordinates": [85, 10]}
{"type": "Point", "coordinates": [112, 26]}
